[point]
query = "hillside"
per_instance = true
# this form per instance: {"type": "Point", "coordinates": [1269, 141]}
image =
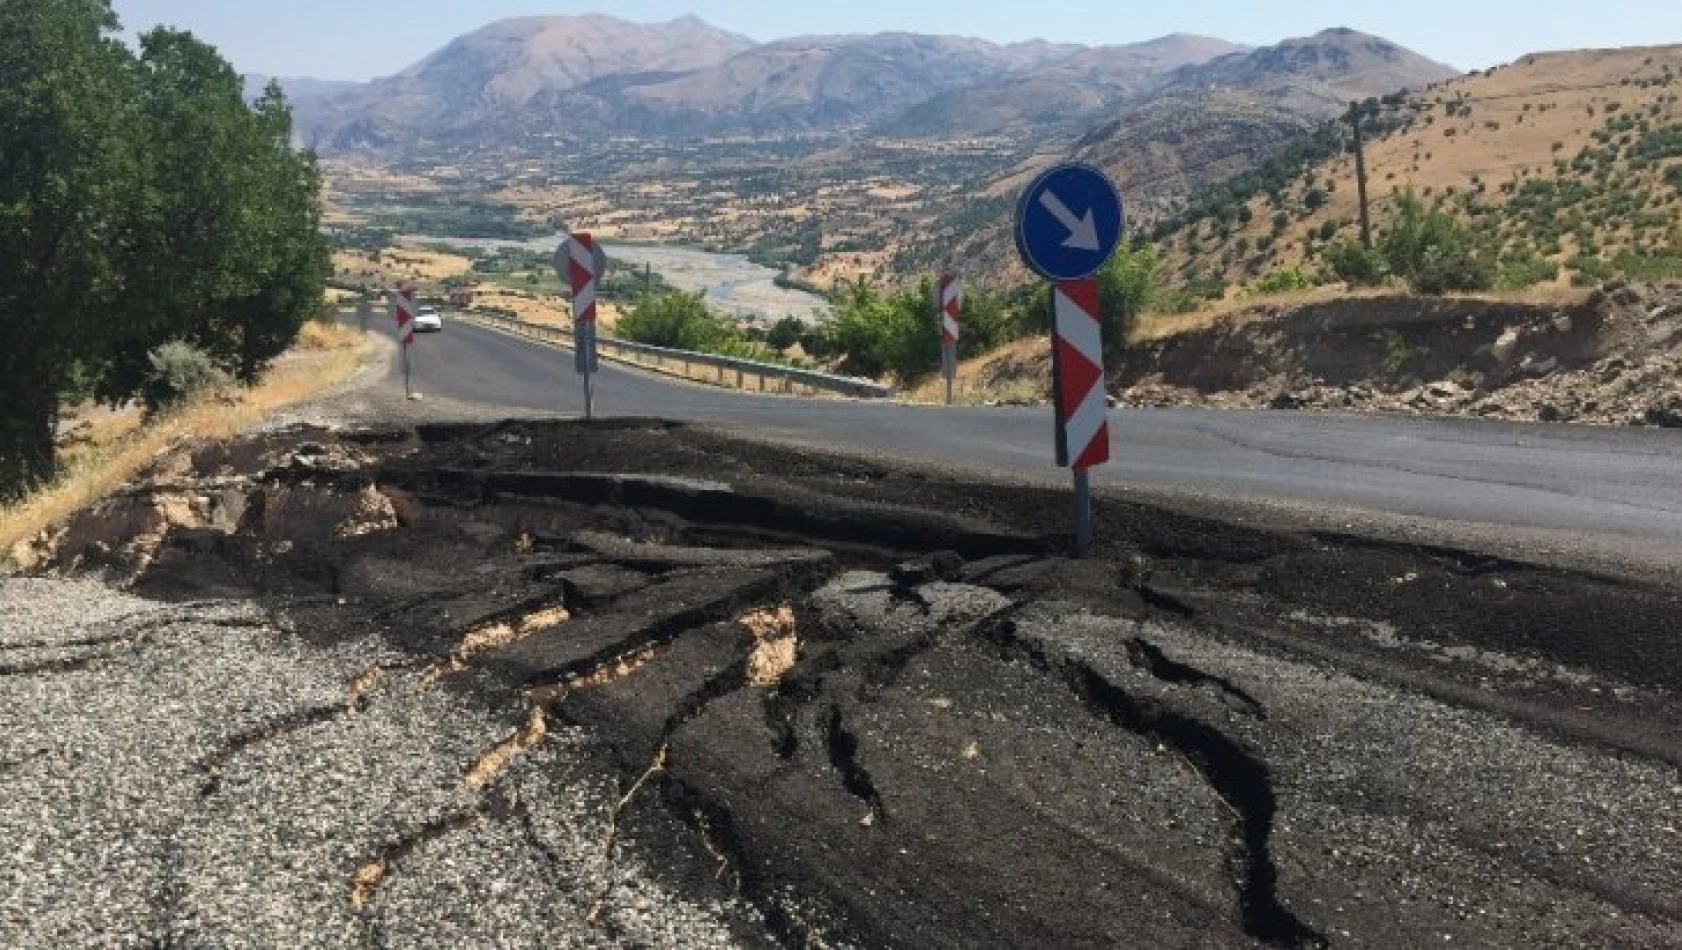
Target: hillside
{"type": "Point", "coordinates": [526, 79]}
{"type": "Point", "coordinates": [1067, 91]}
{"type": "Point", "coordinates": [1562, 162]}
{"type": "Point", "coordinates": [1202, 124]}
{"type": "Point", "coordinates": [801, 85]}
{"type": "Point", "coordinates": [505, 66]}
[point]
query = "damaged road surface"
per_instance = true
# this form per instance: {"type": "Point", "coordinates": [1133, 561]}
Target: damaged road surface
{"type": "Point", "coordinates": [642, 684]}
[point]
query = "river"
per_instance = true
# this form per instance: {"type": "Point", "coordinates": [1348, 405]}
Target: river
{"type": "Point", "coordinates": [732, 283]}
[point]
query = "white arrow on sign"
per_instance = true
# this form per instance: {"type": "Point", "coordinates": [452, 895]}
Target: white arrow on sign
{"type": "Point", "coordinates": [1083, 232]}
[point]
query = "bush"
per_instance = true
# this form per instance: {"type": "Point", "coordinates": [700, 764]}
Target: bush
{"type": "Point", "coordinates": [989, 321]}
{"type": "Point", "coordinates": [679, 321]}
{"type": "Point", "coordinates": [1522, 270]}
{"type": "Point", "coordinates": [1356, 264]}
{"type": "Point", "coordinates": [1648, 266]}
{"type": "Point", "coordinates": [877, 334]}
{"type": "Point", "coordinates": [179, 371]}
{"type": "Point", "coordinates": [1590, 270]}
{"type": "Point", "coordinates": [785, 333]}
{"type": "Point", "coordinates": [1128, 285]}
{"type": "Point", "coordinates": [1433, 251]}
{"type": "Point", "coordinates": [1282, 280]}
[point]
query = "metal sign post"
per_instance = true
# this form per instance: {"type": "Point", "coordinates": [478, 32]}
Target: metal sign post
{"type": "Point", "coordinates": [582, 264]}
{"type": "Point", "coordinates": [949, 301]}
{"type": "Point", "coordinates": [1069, 222]}
{"type": "Point", "coordinates": [403, 312]}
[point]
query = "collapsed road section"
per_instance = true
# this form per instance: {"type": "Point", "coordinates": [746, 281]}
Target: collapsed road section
{"type": "Point", "coordinates": [644, 684]}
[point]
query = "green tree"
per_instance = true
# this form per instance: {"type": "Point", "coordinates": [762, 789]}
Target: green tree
{"type": "Point", "coordinates": [877, 334]}
{"type": "Point", "coordinates": [1356, 264]}
{"type": "Point", "coordinates": [227, 253]}
{"type": "Point", "coordinates": [1128, 285]}
{"type": "Point", "coordinates": [291, 259]}
{"type": "Point", "coordinates": [1433, 251]}
{"type": "Point", "coordinates": [65, 170]}
{"type": "Point", "coordinates": [142, 203]}
{"type": "Point", "coordinates": [678, 321]}
{"type": "Point", "coordinates": [785, 333]}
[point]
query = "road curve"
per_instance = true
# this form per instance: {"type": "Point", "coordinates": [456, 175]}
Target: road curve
{"type": "Point", "coordinates": [1609, 489]}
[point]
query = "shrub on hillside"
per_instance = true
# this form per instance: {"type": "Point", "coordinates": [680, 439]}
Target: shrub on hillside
{"type": "Point", "coordinates": [1433, 251]}
{"type": "Point", "coordinates": [1649, 267]}
{"type": "Point", "coordinates": [177, 372]}
{"type": "Point", "coordinates": [1127, 286]}
{"type": "Point", "coordinates": [1522, 270]}
{"type": "Point", "coordinates": [1589, 270]}
{"type": "Point", "coordinates": [1282, 280]}
{"type": "Point", "coordinates": [1356, 264]}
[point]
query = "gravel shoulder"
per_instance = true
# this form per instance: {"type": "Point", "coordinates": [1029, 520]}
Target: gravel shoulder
{"type": "Point", "coordinates": [199, 775]}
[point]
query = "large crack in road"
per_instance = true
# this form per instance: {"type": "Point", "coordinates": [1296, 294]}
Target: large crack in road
{"type": "Point", "coordinates": [541, 682]}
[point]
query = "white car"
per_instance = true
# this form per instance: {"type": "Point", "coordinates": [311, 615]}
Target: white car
{"type": "Point", "coordinates": [427, 320]}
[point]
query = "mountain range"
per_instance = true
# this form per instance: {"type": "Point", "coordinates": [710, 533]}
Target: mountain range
{"type": "Point", "coordinates": [687, 79]}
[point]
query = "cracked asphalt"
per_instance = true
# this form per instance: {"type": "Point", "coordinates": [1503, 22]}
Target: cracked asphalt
{"type": "Point", "coordinates": [515, 685]}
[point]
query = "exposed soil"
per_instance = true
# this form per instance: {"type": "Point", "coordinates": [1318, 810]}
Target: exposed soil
{"type": "Point", "coordinates": [1615, 359]}
{"type": "Point", "coordinates": [892, 714]}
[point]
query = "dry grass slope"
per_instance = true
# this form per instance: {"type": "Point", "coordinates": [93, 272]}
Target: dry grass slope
{"type": "Point", "coordinates": [1477, 142]}
{"type": "Point", "coordinates": [121, 445]}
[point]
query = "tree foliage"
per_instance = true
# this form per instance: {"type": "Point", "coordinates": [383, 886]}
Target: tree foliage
{"type": "Point", "coordinates": [1433, 251]}
{"type": "Point", "coordinates": [1356, 264]}
{"type": "Point", "coordinates": [1129, 285]}
{"type": "Point", "coordinates": [142, 201]}
{"type": "Point", "coordinates": [879, 333]}
{"type": "Point", "coordinates": [875, 333]}
{"type": "Point", "coordinates": [677, 321]}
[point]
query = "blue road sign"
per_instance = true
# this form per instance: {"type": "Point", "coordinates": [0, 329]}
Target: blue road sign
{"type": "Point", "coordinates": [1069, 222]}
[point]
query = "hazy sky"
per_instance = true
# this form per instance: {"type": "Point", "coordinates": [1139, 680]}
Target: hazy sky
{"type": "Point", "coordinates": [358, 39]}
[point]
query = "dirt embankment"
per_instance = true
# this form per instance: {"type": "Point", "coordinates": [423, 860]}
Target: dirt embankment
{"type": "Point", "coordinates": [1614, 359]}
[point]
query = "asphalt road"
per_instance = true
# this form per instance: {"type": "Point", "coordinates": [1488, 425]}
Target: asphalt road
{"type": "Point", "coordinates": [1562, 487]}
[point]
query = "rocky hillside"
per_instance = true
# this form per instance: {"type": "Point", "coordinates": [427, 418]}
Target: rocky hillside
{"type": "Point", "coordinates": [1069, 92]}
{"type": "Point", "coordinates": [1198, 125]}
{"type": "Point", "coordinates": [1569, 164]}
{"type": "Point", "coordinates": [795, 86]}
{"type": "Point", "coordinates": [526, 77]}
{"type": "Point", "coordinates": [504, 67]}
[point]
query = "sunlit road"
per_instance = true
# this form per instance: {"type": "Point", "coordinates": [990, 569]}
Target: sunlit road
{"type": "Point", "coordinates": [1620, 489]}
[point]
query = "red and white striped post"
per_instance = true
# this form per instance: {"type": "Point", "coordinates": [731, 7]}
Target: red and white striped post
{"type": "Point", "coordinates": [1069, 222]}
{"type": "Point", "coordinates": [585, 263]}
{"type": "Point", "coordinates": [403, 312]}
{"type": "Point", "coordinates": [1077, 371]}
{"type": "Point", "coordinates": [949, 300]}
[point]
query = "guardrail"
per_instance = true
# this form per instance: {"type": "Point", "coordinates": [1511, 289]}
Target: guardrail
{"type": "Point", "coordinates": [787, 378]}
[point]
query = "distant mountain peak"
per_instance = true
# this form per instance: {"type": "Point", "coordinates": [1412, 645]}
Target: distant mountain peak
{"type": "Point", "coordinates": [685, 77]}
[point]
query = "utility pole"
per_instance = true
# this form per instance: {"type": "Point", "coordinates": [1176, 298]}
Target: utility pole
{"type": "Point", "coordinates": [1361, 174]}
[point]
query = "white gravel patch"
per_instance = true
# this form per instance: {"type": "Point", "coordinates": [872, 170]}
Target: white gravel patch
{"type": "Point", "coordinates": [114, 834]}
